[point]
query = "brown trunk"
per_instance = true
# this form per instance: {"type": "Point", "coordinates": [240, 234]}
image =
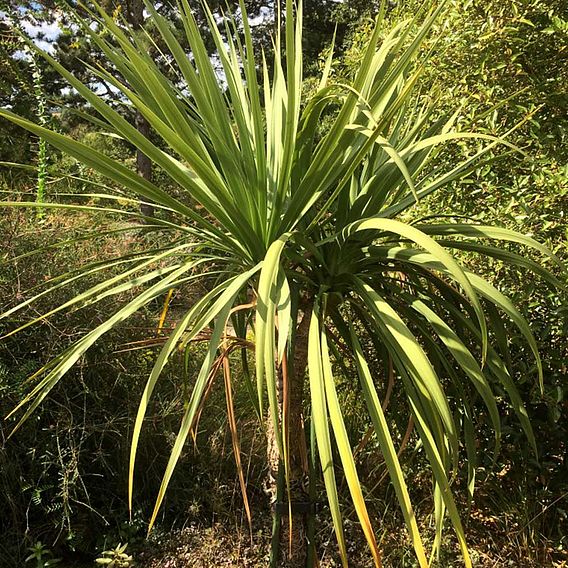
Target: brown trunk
{"type": "Point", "coordinates": [143, 163]}
{"type": "Point", "coordinates": [135, 17]}
{"type": "Point", "coordinates": [293, 536]}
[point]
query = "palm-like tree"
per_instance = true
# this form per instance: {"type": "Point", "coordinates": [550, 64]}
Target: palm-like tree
{"type": "Point", "coordinates": [308, 239]}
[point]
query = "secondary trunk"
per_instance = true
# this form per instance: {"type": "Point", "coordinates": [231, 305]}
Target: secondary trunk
{"type": "Point", "coordinates": [135, 17]}
{"type": "Point", "coordinates": [143, 163]}
{"type": "Point", "coordinates": [292, 537]}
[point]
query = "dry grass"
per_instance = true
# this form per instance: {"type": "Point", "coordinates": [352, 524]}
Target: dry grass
{"type": "Point", "coordinates": [492, 545]}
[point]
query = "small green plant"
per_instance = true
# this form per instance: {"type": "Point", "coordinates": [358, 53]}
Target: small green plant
{"type": "Point", "coordinates": [42, 145]}
{"type": "Point", "coordinates": [116, 558]}
{"type": "Point", "coordinates": [42, 117]}
{"type": "Point", "coordinates": [42, 556]}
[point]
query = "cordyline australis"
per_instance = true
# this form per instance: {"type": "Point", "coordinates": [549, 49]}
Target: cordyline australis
{"type": "Point", "coordinates": [309, 239]}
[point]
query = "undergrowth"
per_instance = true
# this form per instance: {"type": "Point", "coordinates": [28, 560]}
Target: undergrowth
{"type": "Point", "coordinates": [64, 475]}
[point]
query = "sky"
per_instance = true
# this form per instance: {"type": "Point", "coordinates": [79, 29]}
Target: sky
{"type": "Point", "coordinates": [42, 33]}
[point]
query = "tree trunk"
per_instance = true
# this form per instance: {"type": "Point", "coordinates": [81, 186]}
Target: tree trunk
{"type": "Point", "coordinates": [135, 17]}
{"type": "Point", "coordinates": [143, 163]}
{"type": "Point", "coordinates": [293, 544]}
